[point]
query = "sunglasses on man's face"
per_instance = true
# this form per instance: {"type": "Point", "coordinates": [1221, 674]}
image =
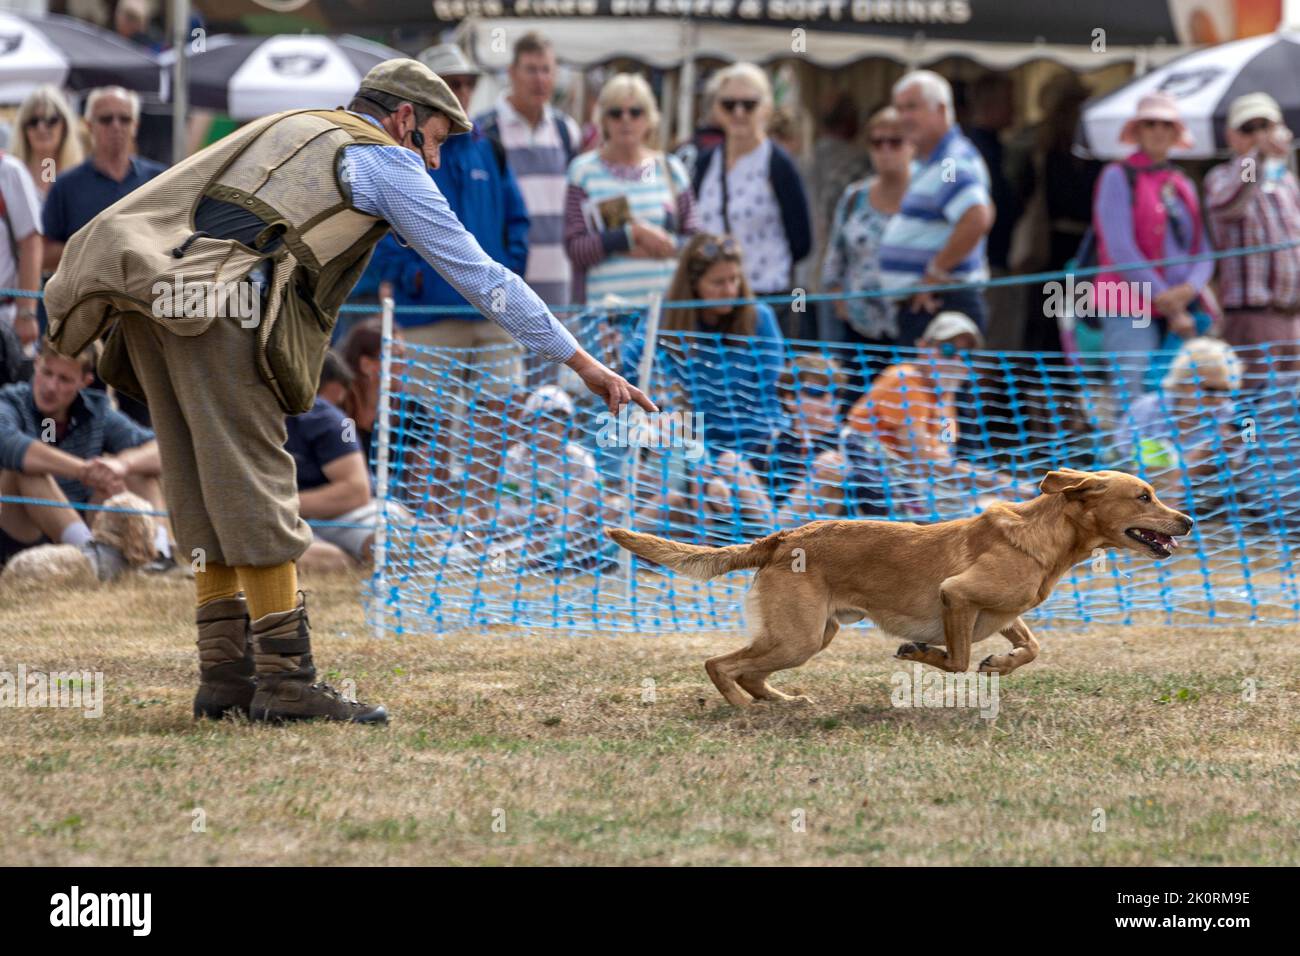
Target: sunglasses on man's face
{"type": "Point", "coordinates": [1255, 126]}
{"type": "Point", "coordinates": [880, 142]}
{"type": "Point", "coordinates": [616, 112]}
{"type": "Point", "coordinates": [108, 119]}
{"type": "Point", "coordinates": [49, 122]}
{"type": "Point", "coordinates": [730, 105]}
{"type": "Point", "coordinates": [461, 82]}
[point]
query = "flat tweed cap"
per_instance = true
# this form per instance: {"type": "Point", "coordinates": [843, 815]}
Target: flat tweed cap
{"type": "Point", "coordinates": [416, 83]}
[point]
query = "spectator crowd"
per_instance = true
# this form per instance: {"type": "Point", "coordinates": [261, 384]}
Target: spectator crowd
{"type": "Point", "coordinates": [906, 215]}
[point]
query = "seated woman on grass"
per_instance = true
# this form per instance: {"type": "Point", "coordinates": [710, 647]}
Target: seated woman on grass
{"type": "Point", "coordinates": [717, 364]}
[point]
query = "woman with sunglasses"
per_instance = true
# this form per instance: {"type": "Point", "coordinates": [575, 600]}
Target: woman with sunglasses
{"type": "Point", "coordinates": [47, 143]}
{"type": "Point", "coordinates": [1147, 209]}
{"type": "Point", "coordinates": [627, 202]}
{"type": "Point", "coordinates": [720, 362]}
{"type": "Point", "coordinates": [853, 251]}
{"type": "Point", "coordinates": [750, 188]}
{"type": "Point", "coordinates": [43, 147]}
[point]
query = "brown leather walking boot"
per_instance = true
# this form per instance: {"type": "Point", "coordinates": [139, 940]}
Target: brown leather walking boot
{"type": "Point", "coordinates": [286, 678]}
{"type": "Point", "coordinates": [226, 681]}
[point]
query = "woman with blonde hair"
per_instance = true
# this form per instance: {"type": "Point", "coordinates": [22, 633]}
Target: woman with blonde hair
{"type": "Point", "coordinates": [750, 188]}
{"type": "Point", "coordinates": [47, 142]}
{"type": "Point", "coordinates": [627, 203]}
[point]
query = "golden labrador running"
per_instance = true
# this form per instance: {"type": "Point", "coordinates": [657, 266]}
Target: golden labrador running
{"type": "Point", "coordinates": [945, 585]}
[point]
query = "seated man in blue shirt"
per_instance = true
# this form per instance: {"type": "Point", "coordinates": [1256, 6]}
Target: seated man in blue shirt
{"type": "Point", "coordinates": [63, 441]}
{"type": "Point", "coordinates": [334, 484]}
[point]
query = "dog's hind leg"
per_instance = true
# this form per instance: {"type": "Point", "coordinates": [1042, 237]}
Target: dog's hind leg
{"type": "Point", "coordinates": [756, 681]}
{"type": "Point", "coordinates": [791, 629]}
{"type": "Point", "coordinates": [1024, 648]}
{"type": "Point", "coordinates": [753, 671]}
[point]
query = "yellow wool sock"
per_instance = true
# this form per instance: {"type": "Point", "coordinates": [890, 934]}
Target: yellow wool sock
{"type": "Point", "coordinates": [269, 590]}
{"type": "Point", "coordinates": [216, 581]}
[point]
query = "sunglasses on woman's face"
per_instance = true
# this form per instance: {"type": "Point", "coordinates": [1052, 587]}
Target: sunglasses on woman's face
{"type": "Point", "coordinates": [1156, 124]}
{"type": "Point", "coordinates": [730, 105]}
{"type": "Point", "coordinates": [616, 112]}
{"type": "Point", "coordinates": [49, 122]}
{"type": "Point", "coordinates": [880, 142]}
{"type": "Point", "coordinates": [1255, 126]}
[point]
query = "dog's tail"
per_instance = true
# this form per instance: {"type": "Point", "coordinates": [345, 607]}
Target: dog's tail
{"type": "Point", "coordinates": [695, 560]}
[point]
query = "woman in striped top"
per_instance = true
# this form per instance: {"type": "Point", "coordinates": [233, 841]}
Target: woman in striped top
{"type": "Point", "coordinates": [626, 179]}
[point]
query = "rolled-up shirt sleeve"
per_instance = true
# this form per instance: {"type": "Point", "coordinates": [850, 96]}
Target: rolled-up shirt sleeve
{"type": "Point", "coordinates": [391, 182]}
{"type": "Point", "coordinates": [13, 442]}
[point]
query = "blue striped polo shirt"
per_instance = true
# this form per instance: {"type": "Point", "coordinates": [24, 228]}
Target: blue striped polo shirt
{"type": "Point", "coordinates": [944, 185]}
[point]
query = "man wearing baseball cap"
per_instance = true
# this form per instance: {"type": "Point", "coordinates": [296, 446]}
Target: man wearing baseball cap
{"type": "Point", "coordinates": [911, 406]}
{"type": "Point", "coordinates": [1254, 199]}
{"type": "Point", "coordinates": [218, 285]}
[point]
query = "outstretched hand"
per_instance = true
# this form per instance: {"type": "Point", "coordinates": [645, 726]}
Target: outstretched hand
{"type": "Point", "coordinates": [608, 384]}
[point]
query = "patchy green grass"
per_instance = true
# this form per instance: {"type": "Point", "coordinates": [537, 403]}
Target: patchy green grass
{"type": "Point", "coordinates": [511, 749]}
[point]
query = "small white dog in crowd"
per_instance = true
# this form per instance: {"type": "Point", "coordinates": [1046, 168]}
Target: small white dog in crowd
{"type": "Point", "coordinates": [122, 541]}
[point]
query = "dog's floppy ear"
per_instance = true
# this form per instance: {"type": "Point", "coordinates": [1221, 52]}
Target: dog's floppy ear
{"type": "Point", "coordinates": [1073, 484]}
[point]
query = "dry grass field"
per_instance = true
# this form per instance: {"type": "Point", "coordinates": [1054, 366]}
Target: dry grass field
{"type": "Point", "coordinates": [543, 749]}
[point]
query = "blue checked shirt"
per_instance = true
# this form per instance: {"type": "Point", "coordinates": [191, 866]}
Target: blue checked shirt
{"type": "Point", "coordinates": [95, 428]}
{"type": "Point", "coordinates": [392, 183]}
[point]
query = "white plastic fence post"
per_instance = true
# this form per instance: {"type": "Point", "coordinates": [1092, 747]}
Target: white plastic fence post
{"type": "Point", "coordinates": [383, 421]}
{"type": "Point", "coordinates": [644, 368]}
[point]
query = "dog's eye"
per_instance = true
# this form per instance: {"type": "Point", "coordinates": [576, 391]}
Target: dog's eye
{"type": "Point", "coordinates": [1144, 497]}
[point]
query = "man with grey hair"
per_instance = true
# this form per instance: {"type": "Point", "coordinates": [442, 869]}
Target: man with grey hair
{"type": "Point", "coordinates": [113, 169]}
{"type": "Point", "coordinates": [938, 234]}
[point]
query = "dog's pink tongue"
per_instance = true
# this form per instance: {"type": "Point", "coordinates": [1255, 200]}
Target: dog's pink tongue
{"type": "Point", "coordinates": [1166, 540]}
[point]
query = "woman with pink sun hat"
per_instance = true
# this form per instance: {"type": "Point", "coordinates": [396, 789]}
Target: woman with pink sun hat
{"type": "Point", "coordinates": [1146, 209]}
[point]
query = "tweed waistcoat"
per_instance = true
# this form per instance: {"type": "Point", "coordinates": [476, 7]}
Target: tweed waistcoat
{"type": "Point", "coordinates": [283, 168]}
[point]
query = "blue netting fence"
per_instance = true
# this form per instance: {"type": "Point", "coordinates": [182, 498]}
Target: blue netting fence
{"type": "Point", "coordinates": [500, 490]}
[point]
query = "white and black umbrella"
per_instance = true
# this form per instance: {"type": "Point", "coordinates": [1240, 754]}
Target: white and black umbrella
{"type": "Point", "coordinates": [69, 53]}
{"type": "Point", "coordinates": [252, 76]}
{"type": "Point", "coordinates": [1204, 83]}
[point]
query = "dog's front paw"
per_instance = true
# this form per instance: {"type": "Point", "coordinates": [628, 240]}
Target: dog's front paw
{"type": "Point", "coordinates": [910, 651]}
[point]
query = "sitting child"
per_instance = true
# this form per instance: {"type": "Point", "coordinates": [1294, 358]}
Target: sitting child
{"type": "Point", "coordinates": [551, 494]}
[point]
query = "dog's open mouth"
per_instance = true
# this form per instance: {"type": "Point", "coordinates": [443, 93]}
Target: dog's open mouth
{"type": "Point", "coordinates": [1160, 544]}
